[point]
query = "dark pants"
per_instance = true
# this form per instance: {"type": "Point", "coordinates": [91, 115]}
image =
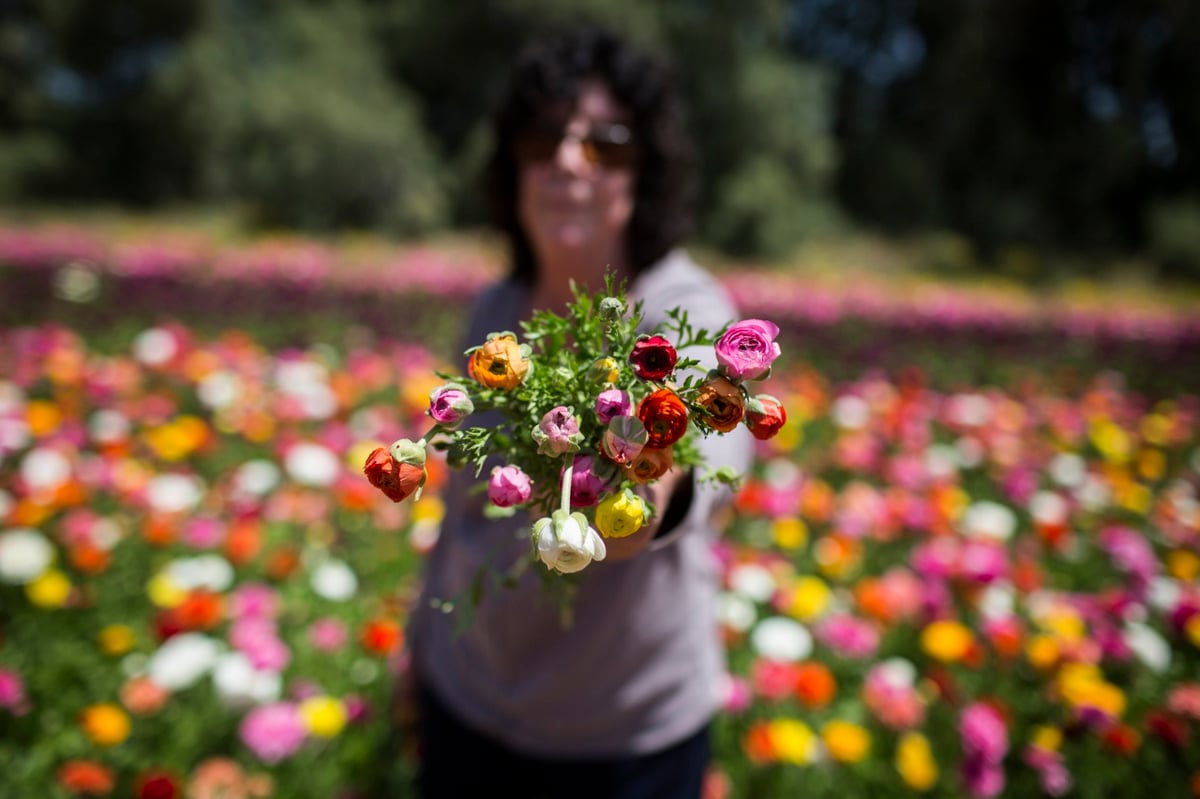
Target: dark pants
{"type": "Point", "coordinates": [458, 762]}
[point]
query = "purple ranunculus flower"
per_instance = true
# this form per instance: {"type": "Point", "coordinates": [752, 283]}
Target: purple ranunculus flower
{"type": "Point", "coordinates": [509, 486]}
{"type": "Point", "coordinates": [746, 350]}
{"type": "Point", "coordinates": [273, 732]}
{"type": "Point", "coordinates": [611, 403]}
{"type": "Point", "coordinates": [983, 733]}
{"type": "Point", "coordinates": [558, 433]}
{"type": "Point", "coordinates": [449, 404]}
{"type": "Point", "coordinates": [586, 485]}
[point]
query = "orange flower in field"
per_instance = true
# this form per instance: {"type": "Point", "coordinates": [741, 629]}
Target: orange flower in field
{"type": "Point", "coordinates": [873, 600]}
{"type": "Point", "coordinates": [105, 724]}
{"type": "Point", "coordinates": [815, 684]}
{"type": "Point", "coordinates": [86, 778]}
{"type": "Point", "coordinates": [382, 636]}
{"type": "Point", "coordinates": [664, 416]}
{"type": "Point", "coordinates": [243, 541]}
{"type": "Point", "coordinates": [282, 563]}
{"type": "Point", "coordinates": [89, 559]}
{"type": "Point", "coordinates": [757, 743]}
{"type": "Point", "coordinates": [143, 697]}
{"type": "Point", "coordinates": [201, 610]}
{"type": "Point", "coordinates": [1122, 739]}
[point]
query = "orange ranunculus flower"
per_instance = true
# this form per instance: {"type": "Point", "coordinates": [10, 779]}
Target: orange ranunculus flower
{"type": "Point", "coordinates": [649, 465]}
{"type": "Point", "coordinates": [143, 697]}
{"type": "Point", "coordinates": [201, 609]}
{"type": "Point", "coordinates": [665, 417]}
{"type": "Point", "coordinates": [815, 684]}
{"type": "Point", "coordinates": [397, 479]}
{"type": "Point", "coordinates": [86, 778]}
{"type": "Point", "coordinates": [757, 744]}
{"type": "Point", "coordinates": [105, 724]}
{"type": "Point", "coordinates": [382, 636]}
{"type": "Point", "coordinates": [723, 404]}
{"type": "Point", "coordinates": [499, 363]}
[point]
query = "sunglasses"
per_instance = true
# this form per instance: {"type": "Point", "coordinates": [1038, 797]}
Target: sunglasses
{"type": "Point", "coordinates": [608, 146]}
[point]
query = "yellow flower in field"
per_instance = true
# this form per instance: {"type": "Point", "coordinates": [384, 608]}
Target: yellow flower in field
{"type": "Point", "coordinates": [1046, 737]}
{"type": "Point", "coordinates": [1064, 624]}
{"type": "Point", "coordinates": [790, 436]}
{"type": "Point", "coordinates": [42, 417]}
{"type": "Point", "coordinates": [1135, 497]}
{"type": "Point", "coordinates": [1083, 685]}
{"type": "Point", "coordinates": [1154, 428]}
{"type": "Point", "coordinates": [115, 639]}
{"type": "Point", "coordinates": [792, 740]}
{"type": "Point", "coordinates": [846, 742]}
{"type": "Point", "coordinates": [914, 761]}
{"type": "Point", "coordinates": [946, 640]}
{"type": "Point", "coordinates": [104, 724]}
{"type": "Point", "coordinates": [1183, 565]}
{"type": "Point", "coordinates": [837, 556]}
{"type": "Point", "coordinates": [1112, 442]}
{"type": "Point", "coordinates": [178, 438]}
{"type": "Point", "coordinates": [430, 509]}
{"type": "Point", "coordinates": [810, 598]}
{"type": "Point", "coordinates": [1151, 463]}
{"type": "Point", "coordinates": [789, 532]}
{"type": "Point", "coordinates": [324, 716]}
{"type": "Point", "coordinates": [1042, 651]}
{"type": "Point", "coordinates": [1192, 628]}
{"type": "Point", "coordinates": [163, 591]}
{"type": "Point", "coordinates": [50, 590]}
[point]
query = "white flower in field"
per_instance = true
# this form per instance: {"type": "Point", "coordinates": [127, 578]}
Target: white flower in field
{"type": "Point", "coordinates": [970, 410]}
{"type": "Point", "coordinates": [1048, 507]}
{"type": "Point", "coordinates": [1164, 593]}
{"type": "Point", "coordinates": [212, 572]}
{"type": "Point", "coordinates": [941, 460]}
{"type": "Point", "coordinates": [851, 412]}
{"type": "Point", "coordinates": [897, 672]}
{"type": "Point", "coordinates": [969, 451]}
{"type": "Point", "coordinates": [6, 503]}
{"type": "Point", "coordinates": [783, 639]}
{"type": "Point", "coordinates": [24, 555]}
{"type": "Point", "coordinates": [256, 477]}
{"type": "Point", "coordinates": [220, 389]}
{"type": "Point", "coordinates": [182, 660]}
{"type": "Point", "coordinates": [14, 434]}
{"type": "Point", "coordinates": [1068, 469]}
{"type": "Point", "coordinates": [308, 384]}
{"type": "Point", "coordinates": [736, 611]}
{"type": "Point", "coordinates": [155, 346]}
{"type": "Point", "coordinates": [45, 469]}
{"type": "Point", "coordinates": [1149, 646]}
{"type": "Point", "coordinates": [566, 543]}
{"type": "Point", "coordinates": [239, 684]}
{"type": "Point", "coordinates": [997, 600]}
{"type": "Point", "coordinates": [334, 580]}
{"type": "Point", "coordinates": [1094, 494]}
{"type": "Point", "coordinates": [174, 493]}
{"type": "Point", "coordinates": [312, 464]}
{"type": "Point", "coordinates": [752, 581]}
{"type": "Point", "coordinates": [107, 426]}
{"type": "Point", "coordinates": [987, 519]}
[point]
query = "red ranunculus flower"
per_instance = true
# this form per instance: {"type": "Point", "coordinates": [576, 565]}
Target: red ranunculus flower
{"type": "Point", "coordinates": [86, 778]}
{"type": "Point", "coordinates": [397, 480]}
{"type": "Point", "coordinates": [156, 785]}
{"type": "Point", "coordinates": [665, 418]}
{"type": "Point", "coordinates": [764, 416]}
{"type": "Point", "coordinates": [653, 358]}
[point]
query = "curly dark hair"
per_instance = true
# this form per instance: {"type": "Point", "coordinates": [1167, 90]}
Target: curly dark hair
{"type": "Point", "coordinates": [550, 72]}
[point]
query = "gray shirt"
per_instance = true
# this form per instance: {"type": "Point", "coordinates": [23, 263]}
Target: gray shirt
{"type": "Point", "coordinates": [638, 668]}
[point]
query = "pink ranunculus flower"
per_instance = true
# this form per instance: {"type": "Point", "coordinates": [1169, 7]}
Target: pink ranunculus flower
{"type": "Point", "coordinates": [746, 350]}
{"type": "Point", "coordinates": [984, 735]}
{"type": "Point", "coordinates": [449, 404]}
{"type": "Point", "coordinates": [558, 432]}
{"type": "Point", "coordinates": [849, 636]}
{"type": "Point", "coordinates": [509, 486]}
{"type": "Point", "coordinates": [586, 485]}
{"type": "Point", "coordinates": [12, 693]}
{"type": "Point", "coordinates": [611, 403]}
{"type": "Point", "coordinates": [328, 634]}
{"type": "Point", "coordinates": [273, 732]}
{"type": "Point", "coordinates": [624, 439]}
{"type": "Point", "coordinates": [254, 600]}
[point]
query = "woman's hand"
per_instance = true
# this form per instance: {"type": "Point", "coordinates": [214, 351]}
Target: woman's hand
{"type": "Point", "coordinates": [658, 494]}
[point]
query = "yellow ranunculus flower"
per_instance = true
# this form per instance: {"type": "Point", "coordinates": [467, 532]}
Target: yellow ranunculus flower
{"type": "Point", "coordinates": [43, 417]}
{"type": "Point", "coordinates": [1042, 651]}
{"type": "Point", "coordinates": [50, 590]}
{"type": "Point", "coordinates": [1047, 737]}
{"type": "Point", "coordinates": [1192, 628]}
{"type": "Point", "coordinates": [324, 716]}
{"type": "Point", "coordinates": [115, 639]}
{"type": "Point", "coordinates": [914, 761]}
{"type": "Point", "coordinates": [946, 640]}
{"type": "Point", "coordinates": [1064, 624]}
{"type": "Point", "coordinates": [810, 598]}
{"type": "Point", "coordinates": [846, 742]}
{"type": "Point", "coordinates": [1183, 565]}
{"type": "Point", "coordinates": [429, 509]}
{"type": "Point", "coordinates": [604, 370]}
{"type": "Point", "coordinates": [789, 532]}
{"type": "Point", "coordinates": [620, 514]}
{"type": "Point", "coordinates": [1083, 685]}
{"type": "Point", "coordinates": [792, 740]}
{"type": "Point", "coordinates": [163, 591]}
{"type": "Point", "coordinates": [105, 724]}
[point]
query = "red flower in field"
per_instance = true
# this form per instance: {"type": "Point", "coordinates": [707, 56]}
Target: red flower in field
{"type": "Point", "coordinates": [156, 785]}
{"type": "Point", "coordinates": [665, 418]}
{"type": "Point", "coordinates": [1122, 739]}
{"type": "Point", "coordinates": [653, 358]}
{"type": "Point", "coordinates": [1169, 727]}
{"type": "Point", "coordinates": [86, 778]}
{"type": "Point", "coordinates": [201, 610]}
{"type": "Point", "coordinates": [815, 684]}
{"type": "Point", "coordinates": [381, 636]}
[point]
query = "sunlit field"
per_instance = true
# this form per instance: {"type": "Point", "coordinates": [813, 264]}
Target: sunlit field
{"type": "Point", "coordinates": [968, 566]}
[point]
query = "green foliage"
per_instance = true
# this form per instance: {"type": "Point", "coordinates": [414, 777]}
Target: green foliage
{"type": "Point", "coordinates": [1175, 237]}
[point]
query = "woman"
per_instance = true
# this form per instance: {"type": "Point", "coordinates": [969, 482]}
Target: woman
{"type": "Point", "coordinates": [588, 177]}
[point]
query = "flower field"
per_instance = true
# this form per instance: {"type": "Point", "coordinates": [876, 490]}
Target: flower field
{"type": "Point", "coordinates": [960, 569]}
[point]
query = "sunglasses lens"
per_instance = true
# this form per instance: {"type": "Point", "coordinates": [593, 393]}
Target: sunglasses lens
{"type": "Point", "coordinates": [610, 148]}
{"type": "Point", "coordinates": [534, 147]}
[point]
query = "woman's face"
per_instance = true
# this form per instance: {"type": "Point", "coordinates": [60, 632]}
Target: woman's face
{"type": "Point", "coordinates": [576, 184]}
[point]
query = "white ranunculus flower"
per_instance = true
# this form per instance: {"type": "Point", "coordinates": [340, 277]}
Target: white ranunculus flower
{"type": "Point", "coordinates": [212, 572]}
{"type": "Point", "coordinates": [1164, 593]}
{"type": "Point", "coordinates": [308, 383]}
{"type": "Point", "coordinates": [334, 580]}
{"type": "Point", "coordinates": [44, 469]}
{"type": "Point", "coordinates": [182, 660]}
{"type": "Point", "coordinates": [1093, 494]}
{"type": "Point", "coordinates": [970, 452]}
{"type": "Point", "coordinates": [154, 347]}
{"type": "Point", "coordinates": [898, 672]}
{"type": "Point", "coordinates": [941, 460]}
{"type": "Point", "coordinates": [239, 684]}
{"type": "Point", "coordinates": [24, 555]}
{"type": "Point", "coordinates": [14, 434]}
{"type": "Point", "coordinates": [997, 600]}
{"type": "Point", "coordinates": [970, 410]}
{"type": "Point", "coordinates": [1068, 470]}
{"type": "Point", "coordinates": [566, 543]}
{"type": "Point", "coordinates": [256, 477]}
{"type": "Point", "coordinates": [312, 464]}
{"type": "Point", "coordinates": [1048, 507]}
{"type": "Point", "coordinates": [987, 519]}
{"type": "Point", "coordinates": [107, 426]}
{"type": "Point", "coordinates": [783, 639]}
{"type": "Point", "coordinates": [219, 389]}
{"type": "Point", "coordinates": [753, 581]}
{"type": "Point", "coordinates": [174, 493]}
{"type": "Point", "coordinates": [1149, 646]}
{"type": "Point", "coordinates": [736, 611]}
{"type": "Point", "coordinates": [851, 412]}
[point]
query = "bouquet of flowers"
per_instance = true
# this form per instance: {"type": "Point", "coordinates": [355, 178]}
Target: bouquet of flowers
{"type": "Point", "coordinates": [580, 412]}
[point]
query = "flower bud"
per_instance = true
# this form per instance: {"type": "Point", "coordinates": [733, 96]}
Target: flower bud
{"type": "Point", "coordinates": [509, 486]}
{"type": "Point", "coordinates": [558, 433]}
{"type": "Point", "coordinates": [449, 404]}
{"type": "Point", "coordinates": [566, 543]}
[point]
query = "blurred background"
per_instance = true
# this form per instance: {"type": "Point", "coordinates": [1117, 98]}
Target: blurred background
{"type": "Point", "coordinates": [236, 241]}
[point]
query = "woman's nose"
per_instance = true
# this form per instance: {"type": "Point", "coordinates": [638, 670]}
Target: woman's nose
{"type": "Point", "coordinates": [571, 155]}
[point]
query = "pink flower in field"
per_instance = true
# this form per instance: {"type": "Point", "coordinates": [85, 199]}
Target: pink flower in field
{"type": "Point", "coordinates": [983, 779]}
{"type": "Point", "coordinates": [328, 634]}
{"type": "Point", "coordinates": [1184, 699]}
{"type": "Point", "coordinates": [1132, 554]}
{"type": "Point", "coordinates": [1052, 771]}
{"type": "Point", "coordinates": [254, 600]}
{"type": "Point", "coordinates": [935, 557]}
{"type": "Point", "coordinates": [889, 693]}
{"type": "Point", "coordinates": [982, 561]}
{"type": "Point", "coordinates": [203, 532]}
{"type": "Point", "coordinates": [773, 679]}
{"type": "Point", "coordinates": [509, 486]}
{"type": "Point", "coordinates": [984, 735]}
{"type": "Point", "coordinates": [273, 732]}
{"type": "Point", "coordinates": [849, 636]}
{"type": "Point", "coordinates": [903, 591]}
{"type": "Point", "coordinates": [258, 640]}
{"type": "Point", "coordinates": [735, 693]}
{"type": "Point", "coordinates": [12, 693]}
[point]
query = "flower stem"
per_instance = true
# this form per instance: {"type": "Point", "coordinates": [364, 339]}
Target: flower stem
{"type": "Point", "coordinates": [568, 474]}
